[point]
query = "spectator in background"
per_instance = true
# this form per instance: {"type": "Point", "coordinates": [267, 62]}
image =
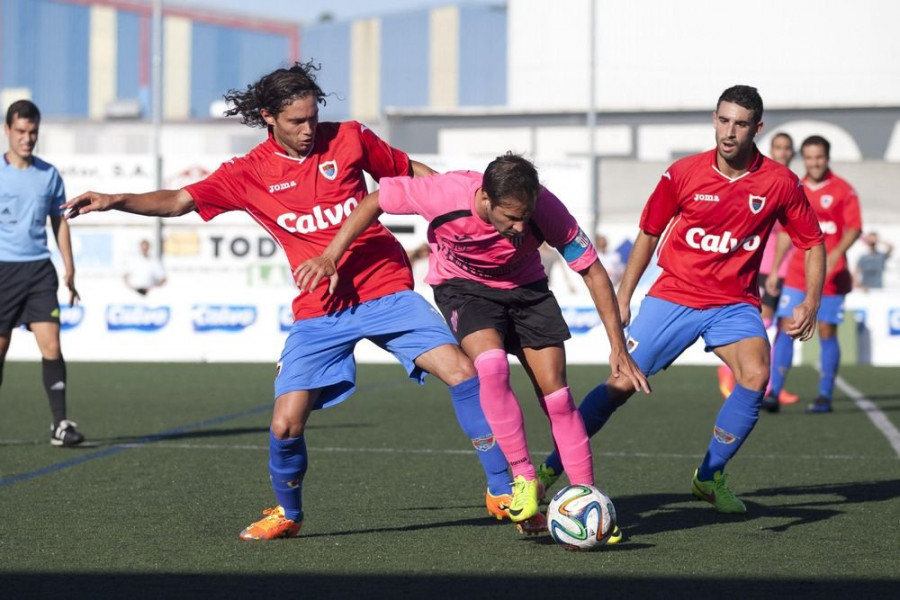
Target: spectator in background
{"type": "Point", "coordinates": [610, 259]}
{"type": "Point", "coordinates": [145, 271]}
{"type": "Point", "coordinates": [870, 267]}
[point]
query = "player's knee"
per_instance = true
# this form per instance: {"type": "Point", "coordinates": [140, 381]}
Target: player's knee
{"type": "Point", "coordinates": [619, 389]}
{"type": "Point", "coordinates": [753, 377]}
{"type": "Point", "coordinates": [457, 370]}
{"type": "Point", "coordinates": [283, 428]}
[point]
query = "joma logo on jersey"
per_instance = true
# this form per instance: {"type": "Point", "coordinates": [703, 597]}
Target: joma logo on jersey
{"type": "Point", "coordinates": [706, 197]}
{"type": "Point", "coordinates": [828, 227]}
{"type": "Point", "coordinates": [709, 242]}
{"type": "Point", "coordinates": [277, 187]}
{"type": "Point", "coordinates": [321, 218]}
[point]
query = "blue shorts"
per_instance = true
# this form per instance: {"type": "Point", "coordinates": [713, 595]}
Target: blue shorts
{"type": "Point", "coordinates": [831, 310]}
{"type": "Point", "coordinates": [663, 330]}
{"type": "Point", "coordinates": [318, 353]}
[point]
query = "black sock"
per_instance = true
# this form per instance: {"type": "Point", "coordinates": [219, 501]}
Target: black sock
{"type": "Point", "coordinates": [54, 372]}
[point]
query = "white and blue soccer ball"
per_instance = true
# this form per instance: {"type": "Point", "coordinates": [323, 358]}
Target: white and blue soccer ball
{"type": "Point", "coordinates": [581, 517]}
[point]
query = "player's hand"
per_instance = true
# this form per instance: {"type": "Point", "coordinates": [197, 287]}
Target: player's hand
{"type": "Point", "coordinates": [622, 365]}
{"type": "Point", "coordinates": [772, 284]}
{"type": "Point", "coordinates": [69, 280]}
{"type": "Point", "coordinates": [803, 325]}
{"type": "Point", "coordinates": [310, 273]}
{"type": "Point", "coordinates": [87, 202]}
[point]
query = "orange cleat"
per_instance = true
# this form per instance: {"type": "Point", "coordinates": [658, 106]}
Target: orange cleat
{"type": "Point", "coordinates": [785, 397]}
{"type": "Point", "coordinates": [498, 506]}
{"type": "Point", "coordinates": [533, 526]}
{"type": "Point", "coordinates": [272, 526]}
{"type": "Point", "coordinates": [726, 380]}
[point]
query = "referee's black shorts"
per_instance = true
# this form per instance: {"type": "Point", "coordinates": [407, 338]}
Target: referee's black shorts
{"type": "Point", "coordinates": [767, 299]}
{"type": "Point", "coordinates": [526, 317]}
{"type": "Point", "coordinates": [28, 294]}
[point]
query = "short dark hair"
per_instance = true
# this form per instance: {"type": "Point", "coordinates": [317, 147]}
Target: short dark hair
{"type": "Point", "coordinates": [511, 176]}
{"type": "Point", "coordinates": [783, 134]}
{"type": "Point", "coordinates": [273, 92]}
{"type": "Point", "coordinates": [817, 140]}
{"type": "Point", "coordinates": [746, 96]}
{"type": "Point", "coordinates": [24, 109]}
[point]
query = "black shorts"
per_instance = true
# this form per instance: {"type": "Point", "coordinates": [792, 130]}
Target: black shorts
{"type": "Point", "coordinates": [28, 294]}
{"type": "Point", "coordinates": [526, 317]}
{"type": "Point", "coordinates": [765, 297]}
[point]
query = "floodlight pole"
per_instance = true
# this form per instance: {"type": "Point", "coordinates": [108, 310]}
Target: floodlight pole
{"type": "Point", "coordinates": [592, 120]}
{"type": "Point", "coordinates": [156, 112]}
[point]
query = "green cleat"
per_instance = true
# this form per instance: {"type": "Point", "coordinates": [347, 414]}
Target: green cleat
{"type": "Point", "coordinates": [717, 493]}
{"type": "Point", "coordinates": [525, 499]}
{"type": "Point", "coordinates": [547, 477]}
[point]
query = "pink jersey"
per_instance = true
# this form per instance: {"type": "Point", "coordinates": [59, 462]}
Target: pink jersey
{"type": "Point", "coordinates": [768, 259]}
{"type": "Point", "coordinates": [712, 227]}
{"type": "Point", "coordinates": [837, 207]}
{"type": "Point", "coordinates": [302, 203]}
{"type": "Point", "coordinates": [465, 246]}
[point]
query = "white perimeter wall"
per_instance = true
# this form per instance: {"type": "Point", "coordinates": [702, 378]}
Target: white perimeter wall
{"type": "Point", "coordinates": [667, 55]}
{"type": "Point", "coordinates": [229, 288]}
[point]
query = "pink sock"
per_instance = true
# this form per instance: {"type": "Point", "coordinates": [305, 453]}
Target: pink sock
{"type": "Point", "coordinates": [502, 411]}
{"type": "Point", "coordinates": [570, 437]}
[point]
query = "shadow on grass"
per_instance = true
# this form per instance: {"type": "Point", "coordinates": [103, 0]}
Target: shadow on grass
{"type": "Point", "coordinates": [653, 513]}
{"type": "Point", "coordinates": [326, 586]}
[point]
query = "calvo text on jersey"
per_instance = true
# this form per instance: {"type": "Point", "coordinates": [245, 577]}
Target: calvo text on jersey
{"type": "Point", "coordinates": [698, 238]}
{"type": "Point", "coordinates": [319, 218]}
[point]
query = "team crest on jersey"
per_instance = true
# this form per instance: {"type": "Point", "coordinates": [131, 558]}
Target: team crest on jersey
{"type": "Point", "coordinates": [826, 200]}
{"type": "Point", "coordinates": [757, 203]}
{"type": "Point", "coordinates": [722, 436]}
{"type": "Point", "coordinates": [328, 169]}
{"type": "Point", "coordinates": [631, 344]}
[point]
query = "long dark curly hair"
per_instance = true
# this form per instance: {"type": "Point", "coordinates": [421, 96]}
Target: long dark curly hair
{"type": "Point", "coordinates": [273, 92]}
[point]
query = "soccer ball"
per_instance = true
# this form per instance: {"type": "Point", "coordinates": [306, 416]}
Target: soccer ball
{"type": "Point", "coordinates": [581, 517]}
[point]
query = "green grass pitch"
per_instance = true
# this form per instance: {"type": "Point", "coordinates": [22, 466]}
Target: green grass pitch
{"type": "Point", "coordinates": [176, 467]}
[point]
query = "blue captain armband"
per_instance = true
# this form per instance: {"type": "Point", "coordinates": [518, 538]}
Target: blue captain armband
{"type": "Point", "coordinates": [574, 249]}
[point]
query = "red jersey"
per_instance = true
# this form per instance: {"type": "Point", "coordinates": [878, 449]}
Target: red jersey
{"type": "Point", "coordinates": [303, 202]}
{"type": "Point", "coordinates": [837, 207]}
{"type": "Point", "coordinates": [713, 228]}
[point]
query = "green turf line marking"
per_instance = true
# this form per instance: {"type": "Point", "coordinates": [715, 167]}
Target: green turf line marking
{"type": "Point", "coordinates": [14, 479]}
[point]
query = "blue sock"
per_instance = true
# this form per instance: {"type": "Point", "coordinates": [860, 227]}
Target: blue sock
{"type": "Point", "coordinates": [596, 409]}
{"type": "Point", "coordinates": [830, 359]}
{"type": "Point", "coordinates": [736, 419]}
{"type": "Point", "coordinates": [782, 358]}
{"type": "Point", "coordinates": [467, 404]}
{"type": "Point", "coordinates": [287, 466]}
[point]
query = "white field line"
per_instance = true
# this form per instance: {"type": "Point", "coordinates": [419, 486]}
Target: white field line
{"type": "Point", "coordinates": [878, 418]}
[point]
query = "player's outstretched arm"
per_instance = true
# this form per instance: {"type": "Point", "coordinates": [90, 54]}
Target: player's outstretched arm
{"type": "Point", "coordinates": [803, 325]}
{"type": "Point", "coordinates": [311, 272]}
{"type": "Point", "coordinates": [161, 203]}
{"type": "Point", "coordinates": [640, 256]}
{"type": "Point", "coordinates": [620, 362]}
